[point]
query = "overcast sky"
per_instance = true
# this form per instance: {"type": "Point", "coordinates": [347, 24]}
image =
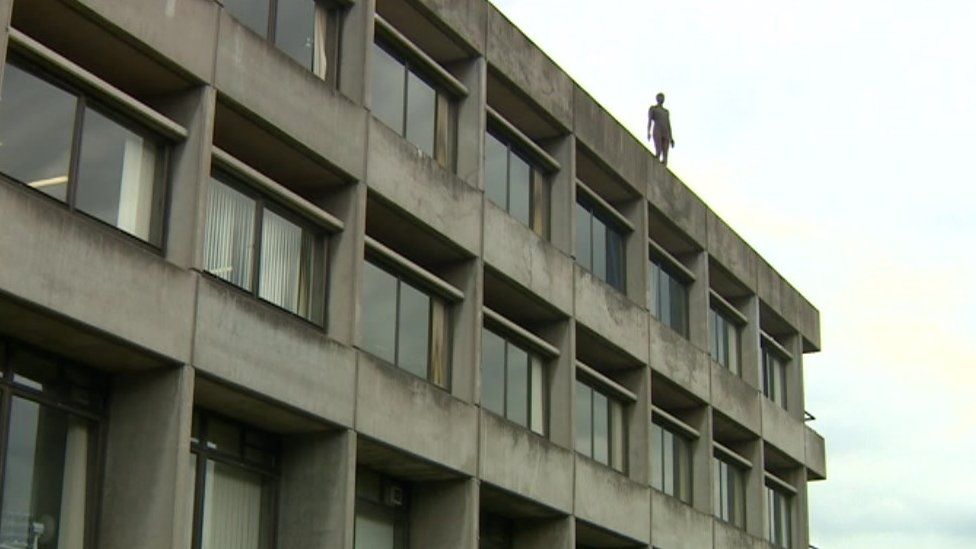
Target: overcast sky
{"type": "Point", "coordinates": [838, 138]}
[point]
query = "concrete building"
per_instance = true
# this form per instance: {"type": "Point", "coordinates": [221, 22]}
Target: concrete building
{"type": "Point", "coordinates": [372, 274]}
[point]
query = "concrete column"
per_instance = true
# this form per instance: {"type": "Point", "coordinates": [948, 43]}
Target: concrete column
{"type": "Point", "coordinates": [799, 511]}
{"type": "Point", "coordinates": [755, 487]}
{"type": "Point", "coordinates": [639, 424]}
{"type": "Point", "coordinates": [561, 372]}
{"type": "Point", "coordinates": [465, 327]}
{"type": "Point", "coordinates": [562, 195]}
{"type": "Point", "coordinates": [6, 9]}
{"type": "Point", "coordinates": [354, 51]}
{"type": "Point", "coordinates": [317, 491]}
{"type": "Point", "coordinates": [702, 455]}
{"type": "Point", "coordinates": [636, 251]}
{"type": "Point", "coordinates": [147, 489]}
{"type": "Point", "coordinates": [345, 260]}
{"type": "Point", "coordinates": [444, 515]}
{"type": "Point", "coordinates": [189, 172]}
{"type": "Point", "coordinates": [557, 533]}
{"type": "Point", "coordinates": [795, 403]}
{"type": "Point", "coordinates": [471, 121]}
{"type": "Point", "coordinates": [698, 298]}
{"type": "Point", "coordinates": [750, 354]}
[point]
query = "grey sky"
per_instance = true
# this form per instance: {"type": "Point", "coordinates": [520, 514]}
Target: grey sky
{"type": "Point", "coordinates": [838, 138]}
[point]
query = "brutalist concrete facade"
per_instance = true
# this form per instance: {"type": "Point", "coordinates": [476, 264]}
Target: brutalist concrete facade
{"type": "Point", "coordinates": [172, 338]}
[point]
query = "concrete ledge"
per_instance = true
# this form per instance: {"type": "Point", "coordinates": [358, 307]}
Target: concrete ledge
{"type": "Point", "coordinates": [816, 454]}
{"type": "Point", "coordinates": [782, 431]}
{"type": "Point", "coordinates": [679, 361]}
{"type": "Point", "coordinates": [612, 143]}
{"type": "Point", "coordinates": [731, 251]}
{"type": "Point", "coordinates": [257, 76]}
{"type": "Point", "coordinates": [258, 347]}
{"type": "Point", "coordinates": [183, 31]}
{"type": "Point", "coordinates": [611, 315]}
{"type": "Point", "coordinates": [676, 525]}
{"type": "Point", "coordinates": [730, 537]}
{"type": "Point", "coordinates": [93, 274]}
{"type": "Point", "coordinates": [612, 501]}
{"type": "Point", "coordinates": [465, 18]}
{"type": "Point", "coordinates": [676, 201]}
{"type": "Point", "coordinates": [735, 398]}
{"type": "Point", "coordinates": [520, 461]}
{"type": "Point", "coordinates": [534, 263]}
{"type": "Point", "coordinates": [404, 411]}
{"type": "Point", "coordinates": [420, 186]}
{"type": "Point", "coordinates": [514, 55]}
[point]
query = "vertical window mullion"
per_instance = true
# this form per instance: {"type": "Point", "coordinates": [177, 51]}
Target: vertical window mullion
{"type": "Point", "coordinates": [396, 325]}
{"type": "Point", "coordinates": [272, 17]}
{"type": "Point", "coordinates": [75, 155]}
{"type": "Point", "coordinates": [406, 97]}
{"type": "Point", "coordinates": [256, 254]}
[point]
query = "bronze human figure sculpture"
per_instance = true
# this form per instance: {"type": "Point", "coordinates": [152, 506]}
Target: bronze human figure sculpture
{"type": "Point", "coordinates": [660, 119]}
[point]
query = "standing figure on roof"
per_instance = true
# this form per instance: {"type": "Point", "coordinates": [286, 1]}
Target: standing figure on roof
{"type": "Point", "coordinates": [660, 119]}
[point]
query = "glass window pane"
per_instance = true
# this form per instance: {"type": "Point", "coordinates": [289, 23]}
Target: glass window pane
{"type": "Point", "coordinates": [421, 109]}
{"type": "Point", "coordinates": [599, 249]}
{"type": "Point", "coordinates": [116, 175]}
{"type": "Point", "coordinates": [492, 372]}
{"type": "Point", "coordinates": [669, 465]}
{"type": "Point", "coordinates": [389, 82]}
{"type": "Point", "coordinates": [717, 487]}
{"type": "Point", "coordinates": [295, 29]}
{"type": "Point", "coordinates": [517, 385]}
{"type": "Point", "coordinates": [36, 122]}
{"type": "Point", "coordinates": [286, 250]}
{"type": "Point", "coordinates": [519, 189]}
{"type": "Point", "coordinates": [657, 456]}
{"type": "Point", "coordinates": [584, 248]}
{"type": "Point", "coordinates": [618, 436]}
{"type": "Point", "coordinates": [584, 419]}
{"type": "Point", "coordinates": [374, 531]}
{"type": "Point", "coordinates": [229, 239]}
{"type": "Point", "coordinates": [679, 307]}
{"type": "Point", "coordinates": [413, 343]}
{"type": "Point", "coordinates": [45, 477]}
{"type": "Point", "coordinates": [236, 509]}
{"type": "Point", "coordinates": [615, 259]}
{"type": "Point", "coordinates": [252, 13]}
{"type": "Point", "coordinates": [379, 312]}
{"type": "Point", "coordinates": [601, 428]}
{"type": "Point", "coordinates": [732, 335]}
{"type": "Point", "coordinates": [496, 171]}
{"type": "Point", "coordinates": [538, 396]}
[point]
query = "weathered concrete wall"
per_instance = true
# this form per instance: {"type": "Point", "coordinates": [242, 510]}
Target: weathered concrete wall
{"type": "Point", "coordinates": [612, 500]}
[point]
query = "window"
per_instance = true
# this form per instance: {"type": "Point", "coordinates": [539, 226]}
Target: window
{"type": "Point", "coordinates": [51, 414]}
{"type": "Point", "coordinates": [495, 532]}
{"type": "Point", "coordinates": [599, 426]}
{"type": "Point", "coordinates": [670, 462]}
{"type": "Point", "coordinates": [512, 382]}
{"type": "Point", "coordinates": [382, 511]}
{"type": "Point", "coordinates": [514, 184]}
{"type": "Point", "coordinates": [264, 250]}
{"type": "Point", "coordinates": [599, 244]}
{"type": "Point", "coordinates": [778, 509]}
{"type": "Point", "coordinates": [723, 339]}
{"type": "Point", "coordinates": [774, 374]}
{"type": "Point", "coordinates": [405, 100]}
{"type": "Point", "coordinates": [728, 493]}
{"type": "Point", "coordinates": [235, 471]}
{"type": "Point", "coordinates": [668, 297]}
{"type": "Point", "coordinates": [306, 30]}
{"type": "Point", "coordinates": [404, 325]}
{"type": "Point", "coordinates": [65, 145]}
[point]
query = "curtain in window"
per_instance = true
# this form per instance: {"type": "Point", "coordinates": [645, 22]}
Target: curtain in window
{"type": "Point", "coordinates": [230, 235]}
{"type": "Point", "coordinates": [615, 259]}
{"type": "Point", "coordinates": [285, 275]}
{"type": "Point", "coordinates": [136, 190]}
{"type": "Point", "coordinates": [232, 514]}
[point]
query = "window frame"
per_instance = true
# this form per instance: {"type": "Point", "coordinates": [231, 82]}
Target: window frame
{"type": "Point", "coordinates": [735, 321]}
{"type": "Point", "coordinates": [85, 100]}
{"type": "Point", "coordinates": [659, 265]}
{"type": "Point", "coordinates": [321, 242]}
{"type": "Point", "coordinates": [398, 515]}
{"type": "Point", "coordinates": [616, 396]}
{"type": "Point", "coordinates": [681, 433]}
{"type": "Point", "coordinates": [776, 490]}
{"type": "Point", "coordinates": [533, 356]}
{"type": "Point", "coordinates": [770, 348]}
{"type": "Point", "coordinates": [609, 219]}
{"type": "Point", "coordinates": [739, 513]}
{"type": "Point", "coordinates": [95, 413]}
{"type": "Point", "coordinates": [199, 447]}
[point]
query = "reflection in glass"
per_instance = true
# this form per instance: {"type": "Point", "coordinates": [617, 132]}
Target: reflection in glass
{"type": "Point", "coordinates": [421, 109]}
{"type": "Point", "coordinates": [492, 372]}
{"type": "Point", "coordinates": [116, 175]}
{"type": "Point", "coordinates": [237, 509]}
{"type": "Point", "coordinates": [601, 428]}
{"type": "Point", "coordinates": [374, 532]}
{"type": "Point", "coordinates": [45, 478]}
{"type": "Point", "coordinates": [615, 259]}
{"type": "Point", "coordinates": [295, 29]}
{"type": "Point", "coordinates": [599, 249]}
{"type": "Point", "coordinates": [414, 332]}
{"type": "Point", "coordinates": [584, 419]}
{"type": "Point", "coordinates": [229, 237]}
{"type": "Point", "coordinates": [584, 250]}
{"type": "Point", "coordinates": [389, 82]}
{"type": "Point", "coordinates": [252, 13]}
{"type": "Point", "coordinates": [496, 171]}
{"type": "Point", "coordinates": [520, 189]}
{"type": "Point", "coordinates": [286, 264]}
{"type": "Point", "coordinates": [36, 124]}
{"type": "Point", "coordinates": [379, 312]}
{"type": "Point", "coordinates": [517, 385]}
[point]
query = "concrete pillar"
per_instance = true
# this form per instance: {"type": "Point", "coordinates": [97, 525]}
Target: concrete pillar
{"type": "Point", "coordinates": [354, 51]}
{"type": "Point", "coordinates": [635, 250]}
{"type": "Point", "coordinates": [561, 372]}
{"type": "Point", "coordinates": [6, 9]}
{"type": "Point", "coordinates": [698, 299]}
{"type": "Point", "coordinates": [557, 533]}
{"type": "Point", "coordinates": [465, 327]}
{"type": "Point", "coordinates": [795, 404]}
{"type": "Point", "coordinates": [702, 455]}
{"type": "Point", "coordinates": [750, 354]}
{"type": "Point", "coordinates": [317, 491]}
{"type": "Point", "coordinates": [345, 260]}
{"type": "Point", "coordinates": [638, 424]}
{"type": "Point", "coordinates": [562, 195]}
{"type": "Point", "coordinates": [755, 487]}
{"type": "Point", "coordinates": [444, 515]}
{"type": "Point", "coordinates": [799, 511]}
{"type": "Point", "coordinates": [471, 121]}
{"type": "Point", "coordinates": [147, 487]}
{"type": "Point", "coordinates": [188, 175]}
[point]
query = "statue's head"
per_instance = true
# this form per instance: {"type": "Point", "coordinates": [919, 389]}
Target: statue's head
{"type": "Point", "coordinates": [660, 99]}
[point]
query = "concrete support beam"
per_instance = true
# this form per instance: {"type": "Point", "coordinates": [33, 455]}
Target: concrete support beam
{"type": "Point", "coordinates": [702, 456]}
{"type": "Point", "coordinates": [698, 299]}
{"type": "Point", "coordinates": [755, 487]}
{"type": "Point", "coordinates": [471, 123]}
{"type": "Point", "coordinates": [444, 515]}
{"type": "Point", "coordinates": [557, 533]}
{"type": "Point", "coordinates": [354, 51]}
{"type": "Point", "coordinates": [750, 354]}
{"type": "Point", "coordinates": [562, 194]}
{"type": "Point", "coordinates": [147, 486]}
{"type": "Point", "coordinates": [562, 383]}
